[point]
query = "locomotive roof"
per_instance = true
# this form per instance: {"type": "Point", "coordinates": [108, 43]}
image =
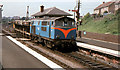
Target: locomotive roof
{"type": "Point", "coordinates": [52, 18]}
{"type": "Point", "coordinates": [52, 12]}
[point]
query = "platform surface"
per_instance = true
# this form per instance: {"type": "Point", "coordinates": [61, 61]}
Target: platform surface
{"type": "Point", "coordinates": [103, 44]}
{"type": "Point", "coordinates": [15, 57]}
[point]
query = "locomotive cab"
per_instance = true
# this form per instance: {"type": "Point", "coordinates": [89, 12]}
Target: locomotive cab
{"type": "Point", "coordinates": [63, 31]}
{"type": "Point", "coordinates": [64, 28]}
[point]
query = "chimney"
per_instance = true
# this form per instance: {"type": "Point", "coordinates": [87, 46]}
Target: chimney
{"type": "Point", "coordinates": [41, 8]}
{"type": "Point", "coordinates": [103, 2]}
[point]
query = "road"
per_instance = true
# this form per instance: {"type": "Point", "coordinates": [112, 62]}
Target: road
{"type": "Point", "coordinates": [15, 57]}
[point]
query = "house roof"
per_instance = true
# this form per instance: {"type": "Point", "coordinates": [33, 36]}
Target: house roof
{"type": "Point", "coordinates": [104, 5]}
{"type": "Point", "coordinates": [117, 2]}
{"type": "Point", "coordinates": [52, 11]}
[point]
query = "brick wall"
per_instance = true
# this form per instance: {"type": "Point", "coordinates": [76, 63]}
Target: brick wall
{"type": "Point", "coordinates": [103, 37]}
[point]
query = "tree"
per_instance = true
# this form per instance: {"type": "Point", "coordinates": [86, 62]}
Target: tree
{"type": "Point", "coordinates": [23, 18]}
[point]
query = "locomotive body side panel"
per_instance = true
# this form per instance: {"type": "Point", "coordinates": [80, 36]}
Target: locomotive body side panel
{"type": "Point", "coordinates": [38, 28]}
{"type": "Point", "coordinates": [52, 33]}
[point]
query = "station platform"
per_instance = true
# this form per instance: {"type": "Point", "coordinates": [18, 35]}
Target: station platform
{"type": "Point", "coordinates": [100, 46]}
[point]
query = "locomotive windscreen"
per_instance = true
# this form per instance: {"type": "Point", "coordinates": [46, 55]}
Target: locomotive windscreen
{"type": "Point", "coordinates": [65, 22]}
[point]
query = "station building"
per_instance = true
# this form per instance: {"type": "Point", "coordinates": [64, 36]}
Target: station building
{"type": "Point", "coordinates": [50, 12]}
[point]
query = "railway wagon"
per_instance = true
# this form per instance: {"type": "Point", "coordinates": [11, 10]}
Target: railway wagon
{"type": "Point", "coordinates": [54, 31]}
{"type": "Point", "coordinates": [22, 28]}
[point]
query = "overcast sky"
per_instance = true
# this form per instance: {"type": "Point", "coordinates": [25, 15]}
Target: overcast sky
{"type": "Point", "coordinates": [18, 7]}
{"type": "Point", "coordinates": [51, 0]}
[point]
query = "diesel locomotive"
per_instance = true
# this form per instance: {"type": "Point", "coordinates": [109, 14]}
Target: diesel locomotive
{"type": "Point", "coordinates": [54, 31]}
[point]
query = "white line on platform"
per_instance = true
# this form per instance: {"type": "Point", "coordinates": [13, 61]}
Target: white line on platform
{"type": "Point", "coordinates": [1, 34]}
{"type": "Point", "coordinates": [100, 49]}
{"type": "Point", "coordinates": [35, 54]}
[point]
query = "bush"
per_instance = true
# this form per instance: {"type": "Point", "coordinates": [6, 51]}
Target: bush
{"type": "Point", "coordinates": [99, 15]}
{"type": "Point", "coordinates": [117, 11]}
{"type": "Point", "coordinates": [87, 16]}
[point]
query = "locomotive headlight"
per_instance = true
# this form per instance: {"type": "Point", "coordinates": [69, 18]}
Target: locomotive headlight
{"type": "Point", "coordinates": [58, 37]}
{"type": "Point", "coordinates": [72, 37]}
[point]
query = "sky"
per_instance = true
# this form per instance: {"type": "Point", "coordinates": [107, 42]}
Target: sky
{"type": "Point", "coordinates": [51, 0]}
{"type": "Point", "coordinates": [18, 7]}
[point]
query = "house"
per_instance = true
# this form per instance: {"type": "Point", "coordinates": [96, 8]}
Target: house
{"type": "Point", "coordinates": [108, 6]}
{"type": "Point", "coordinates": [117, 5]}
{"type": "Point", "coordinates": [50, 12]}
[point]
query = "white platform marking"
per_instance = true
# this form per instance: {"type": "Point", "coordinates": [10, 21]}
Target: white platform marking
{"type": "Point", "coordinates": [100, 49]}
{"type": "Point", "coordinates": [35, 54]}
{"type": "Point", "coordinates": [1, 34]}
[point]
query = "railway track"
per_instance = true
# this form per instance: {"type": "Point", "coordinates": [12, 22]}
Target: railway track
{"type": "Point", "coordinates": [81, 58]}
{"type": "Point", "coordinates": [76, 57]}
{"type": "Point", "coordinates": [88, 62]}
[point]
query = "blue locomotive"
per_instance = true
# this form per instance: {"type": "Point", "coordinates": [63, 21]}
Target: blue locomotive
{"type": "Point", "coordinates": [54, 31]}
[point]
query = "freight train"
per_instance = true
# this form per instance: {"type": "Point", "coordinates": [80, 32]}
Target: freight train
{"type": "Point", "coordinates": [54, 32]}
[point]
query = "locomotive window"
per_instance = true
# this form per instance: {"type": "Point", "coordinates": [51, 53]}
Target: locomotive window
{"type": "Point", "coordinates": [65, 23]}
{"type": "Point", "coordinates": [48, 23]}
{"type": "Point", "coordinates": [44, 23]}
{"type": "Point", "coordinates": [53, 24]}
{"type": "Point", "coordinates": [43, 28]}
{"type": "Point", "coordinates": [59, 23]}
